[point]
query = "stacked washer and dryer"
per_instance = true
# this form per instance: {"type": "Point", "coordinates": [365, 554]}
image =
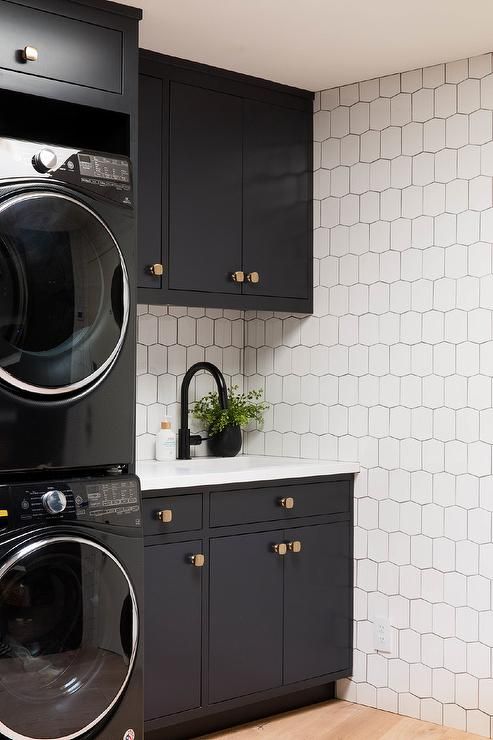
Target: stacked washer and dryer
{"type": "Point", "coordinates": [71, 550]}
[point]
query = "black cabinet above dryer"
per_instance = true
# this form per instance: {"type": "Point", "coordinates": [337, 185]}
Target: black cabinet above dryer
{"type": "Point", "coordinates": [225, 189]}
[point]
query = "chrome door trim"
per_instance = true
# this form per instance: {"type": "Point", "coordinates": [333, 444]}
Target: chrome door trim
{"type": "Point", "coordinates": [38, 545]}
{"type": "Point", "coordinates": [99, 374]}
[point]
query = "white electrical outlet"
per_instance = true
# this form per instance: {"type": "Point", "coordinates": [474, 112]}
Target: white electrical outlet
{"type": "Point", "coordinates": [382, 635]}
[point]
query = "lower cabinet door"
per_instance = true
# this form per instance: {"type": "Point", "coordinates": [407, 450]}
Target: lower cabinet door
{"type": "Point", "coordinates": [317, 601]}
{"type": "Point", "coordinates": [173, 628]}
{"type": "Point", "coordinates": [245, 608]}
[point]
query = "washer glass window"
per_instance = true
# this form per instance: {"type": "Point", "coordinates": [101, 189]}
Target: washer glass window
{"type": "Point", "coordinates": [68, 636]}
{"type": "Point", "coordinates": [63, 294]}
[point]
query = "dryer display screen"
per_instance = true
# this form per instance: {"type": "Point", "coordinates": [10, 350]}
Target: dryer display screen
{"type": "Point", "coordinates": [105, 168]}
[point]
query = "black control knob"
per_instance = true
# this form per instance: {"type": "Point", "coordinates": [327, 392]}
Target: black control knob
{"type": "Point", "coordinates": [44, 161]}
{"type": "Point", "coordinates": [54, 502]}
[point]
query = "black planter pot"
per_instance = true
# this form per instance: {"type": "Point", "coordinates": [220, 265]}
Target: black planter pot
{"type": "Point", "coordinates": [226, 443]}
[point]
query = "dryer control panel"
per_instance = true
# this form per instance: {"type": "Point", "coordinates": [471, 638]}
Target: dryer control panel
{"type": "Point", "coordinates": [113, 501]}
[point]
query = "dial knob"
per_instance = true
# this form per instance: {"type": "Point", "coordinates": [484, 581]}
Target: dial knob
{"type": "Point", "coordinates": [44, 161]}
{"type": "Point", "coordinates": [54, 502]}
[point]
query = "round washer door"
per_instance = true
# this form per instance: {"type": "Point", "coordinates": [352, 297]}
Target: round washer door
{"type": "Point", "coordinates": [68, 638]}
{"type": "Point", "coordinates": [64, 294]}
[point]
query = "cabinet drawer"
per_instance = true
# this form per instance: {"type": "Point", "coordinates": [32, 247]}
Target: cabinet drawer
{"type": "Point", "coordinates": [179, 514]}
{"type": "Point", "coordinates": [69, 50]}
{"type": "Point", "coordinates": [269, 503]}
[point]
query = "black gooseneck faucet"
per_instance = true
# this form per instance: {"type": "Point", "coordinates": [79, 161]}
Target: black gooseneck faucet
{"type": "Point", "coordinates": [185, 439]}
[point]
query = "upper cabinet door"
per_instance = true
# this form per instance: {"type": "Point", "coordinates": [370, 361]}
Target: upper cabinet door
{"type": "Point", "coordinates": [277, 201]}
{"type": "Point", "coordinates": [205, 190]}
{"type": "Point", "coordinates": [151, 234]}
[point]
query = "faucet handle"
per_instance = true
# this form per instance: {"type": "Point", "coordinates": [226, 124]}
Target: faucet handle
{"type": "Point", "coordinates": [195, 439]}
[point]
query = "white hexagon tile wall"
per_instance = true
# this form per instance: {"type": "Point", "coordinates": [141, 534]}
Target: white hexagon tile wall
{"type": "Point", "coordinates": [395, 370]}
{"type": "Point", "coordinates": [170, 339]}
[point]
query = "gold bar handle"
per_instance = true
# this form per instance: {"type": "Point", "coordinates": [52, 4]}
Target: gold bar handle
{"type": "Point", "coordinates": [280, 549]}
{"type": "Point", "coordinates": [238, 276]}
{"type": "Point", "coordinates": [287, 503]}
{"type": "Point", "coordinates": [198, 560]}
{"type": "Point", "coordinates": [294, 546]}
{"type": "Point", "coordinates": [253, 277]}
{"type": "Point", "coordinates": [165, 516]}
{"type": "Point", "coordinates": [30, 54]}
{"type": "Point", "coordinates": [155, 270]}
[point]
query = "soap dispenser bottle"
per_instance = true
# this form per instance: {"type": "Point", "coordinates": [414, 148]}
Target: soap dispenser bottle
{"type": "Point", "coordinates": [166, 442]}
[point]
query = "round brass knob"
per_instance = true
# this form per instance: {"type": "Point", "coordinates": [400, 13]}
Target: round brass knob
{"type": "Point", "coordinates": [253, 277]}
{"type": "Point", "coordinates": [165, 516]}
{"type": "Point", "coordinates": [30, 54]}
{"type": "Point", "coordinates": [287, 503]}
{"type": "Point", "coordinates": [238, 276]}
{"type": "Point", "coordinates": [198, 560]}
{"type": "Point", "coordinates": [294, 546]}
{"type": "Point", "coordinates": [156, 270]}
{"type": "Point", "coordinates": [280, 549]}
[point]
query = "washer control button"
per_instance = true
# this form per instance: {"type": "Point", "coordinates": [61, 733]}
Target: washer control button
{"type": "Point", "coordinates": [54, 502]}
{"type": "Point", "coordinates": [44, 161]}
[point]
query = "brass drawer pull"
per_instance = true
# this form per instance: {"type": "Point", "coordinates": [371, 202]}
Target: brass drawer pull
{"type": "Point", "coordinates": [30, 54]}
{"type": "Point", "coordinates": [294, 546]}
{"type": "Point", "coordinates": [198, 560]}
{"type": "Point", "coordinates": [253, 277]}
{"type": "Point", "coordinates": [165, 516]}
{"type": "Point", "coordinates": [280, 549]}
{"type": "Point", "coordinates": [155, 270]}
{"type": "Point", "coordinates": [238, 276]}
{"type": "Point", "coordinates": [287, 503]}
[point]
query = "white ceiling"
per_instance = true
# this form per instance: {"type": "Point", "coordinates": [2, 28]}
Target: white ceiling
{"type": "Point", "coordinates": [317, 44]}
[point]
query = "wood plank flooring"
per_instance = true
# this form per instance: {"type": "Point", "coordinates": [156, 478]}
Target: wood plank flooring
{"type": "Point", "coordinates": [341, 720]}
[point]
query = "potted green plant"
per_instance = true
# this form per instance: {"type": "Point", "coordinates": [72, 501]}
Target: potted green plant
{"type": "Point", "coordinates": [224, 425]}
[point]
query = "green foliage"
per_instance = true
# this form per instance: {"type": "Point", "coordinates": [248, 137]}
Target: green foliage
{"type": "Point", "coordinates": [243, 408]}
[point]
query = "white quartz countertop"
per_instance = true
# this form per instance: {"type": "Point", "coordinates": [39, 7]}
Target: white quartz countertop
{"type": "Point", "coordinates": [213, 471]}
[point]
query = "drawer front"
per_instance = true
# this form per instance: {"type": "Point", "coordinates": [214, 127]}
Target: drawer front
{"type": "Point", "coordinates": [169, 514]}
{"type": "Point", "coordinates": [278, 503]}
{"type": "Point", "coordinates": [69, 50]}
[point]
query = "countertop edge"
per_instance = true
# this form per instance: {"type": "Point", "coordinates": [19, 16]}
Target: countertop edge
{"type": "Point", "coordinates": [318, 470]}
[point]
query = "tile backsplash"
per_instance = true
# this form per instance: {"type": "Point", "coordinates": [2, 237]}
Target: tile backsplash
{"type": "Point", "coordinates": [170, 339]}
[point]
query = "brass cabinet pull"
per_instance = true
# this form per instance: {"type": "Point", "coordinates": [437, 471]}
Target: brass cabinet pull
{"type": "Point", "coordinates": [30, 54]}
{"type": "Point", "coordinates": [253, 277]}
{"type": "Point", "coordinates": [280, 549]}
{"type": "Point", "coordinates": [286, 503]}
{"type": "Point", "coordinates": [198, 560]}
{"type": "Point", "coordinates": [165, 516]}
{"type": "Point", "coordinates": [238, 276]}
{"type": "Point", "coordinates": [155, 270]}
{"type": "Point", "coordinates": [294, 546]}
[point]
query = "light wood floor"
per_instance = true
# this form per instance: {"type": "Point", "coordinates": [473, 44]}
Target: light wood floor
{"type": "Point", "coordinates": [341, 720]}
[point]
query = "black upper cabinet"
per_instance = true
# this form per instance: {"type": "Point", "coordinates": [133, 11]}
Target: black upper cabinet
{"type": "Point", "coordinates": [79, 52]}
{"type": "Point", "coordinates": [276, 239]}
{"type": "Point", "coordinates": [151, 195]}
{"type": "Point", "coordinates": [205, 189]}
{"type": "Point", "coordinates": [235, 189]}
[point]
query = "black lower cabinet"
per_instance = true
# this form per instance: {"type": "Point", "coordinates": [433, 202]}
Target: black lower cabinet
{"type": "Point", "coordinates": [317, 632]}
{"type": "Point", "coordinates": [173, 629]}
{"type": "Point", "coordinates": [246, 613]}
{"type": "Point", "coordinates": [261, 619]}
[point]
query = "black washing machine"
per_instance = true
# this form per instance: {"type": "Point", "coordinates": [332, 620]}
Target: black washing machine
{"type": "Point", "coordinates": [67, 337]}
{"type": "Point", "coordinates": [71, 561]}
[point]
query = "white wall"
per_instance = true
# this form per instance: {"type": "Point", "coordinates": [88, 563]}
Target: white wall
{"type": "Point", "coordinates": [395, 370]}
